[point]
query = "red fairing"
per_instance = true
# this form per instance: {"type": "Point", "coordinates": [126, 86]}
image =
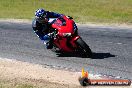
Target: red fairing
{"type": "Point", "coordinates": [65, 27]}
{"type": "Point", "coordinates": [63, 45]}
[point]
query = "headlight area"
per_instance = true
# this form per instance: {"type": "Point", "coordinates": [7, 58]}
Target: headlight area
{"type": "Point", "coordinates": [66, 34]}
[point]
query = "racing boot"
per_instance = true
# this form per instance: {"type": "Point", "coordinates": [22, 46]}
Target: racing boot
{"type": "Point", "coordinates": [49, 45]}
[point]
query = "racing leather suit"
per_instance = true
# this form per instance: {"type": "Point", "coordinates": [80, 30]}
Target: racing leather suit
{"type": "Point", "coordinates": [42, 28]}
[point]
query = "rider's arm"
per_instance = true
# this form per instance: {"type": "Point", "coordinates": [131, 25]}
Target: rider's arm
{"type": "Point", "coordinates": [53, 15]}
{"type": "Point", "coordinates": [36, 29]}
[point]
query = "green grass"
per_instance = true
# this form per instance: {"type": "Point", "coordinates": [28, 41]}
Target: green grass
{"type": "Point", "coordinates": [117, 11]}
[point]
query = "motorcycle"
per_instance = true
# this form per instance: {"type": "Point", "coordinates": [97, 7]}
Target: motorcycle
{"type": "Point", "coordinates": [66, 38]}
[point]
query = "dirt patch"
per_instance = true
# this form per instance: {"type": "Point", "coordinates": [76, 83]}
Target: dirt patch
{"type": "Point", "coordinates": [17, 71]}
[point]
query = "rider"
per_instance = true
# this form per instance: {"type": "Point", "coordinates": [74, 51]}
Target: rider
{"type": "Point", "coordinates": [42, 27]}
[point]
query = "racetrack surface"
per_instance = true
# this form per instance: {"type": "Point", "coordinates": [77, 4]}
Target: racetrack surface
{"type": "Point", "coordinates": [111, 46]}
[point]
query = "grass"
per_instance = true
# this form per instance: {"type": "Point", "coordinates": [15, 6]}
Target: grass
{"type": "Point", "coordinates": [110, 11]}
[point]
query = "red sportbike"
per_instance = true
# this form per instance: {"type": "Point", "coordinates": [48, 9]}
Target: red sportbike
{"type": "Point", "coordinates": [66, 38]}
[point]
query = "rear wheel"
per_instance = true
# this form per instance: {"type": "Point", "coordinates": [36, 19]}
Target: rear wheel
{"type": "Point", "coordinates": [84, 48]}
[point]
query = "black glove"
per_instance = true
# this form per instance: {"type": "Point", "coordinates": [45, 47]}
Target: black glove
{"type": "Point", "coordinates": [69, 17]}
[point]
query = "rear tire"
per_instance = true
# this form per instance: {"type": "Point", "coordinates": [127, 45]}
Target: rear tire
{"type": "Point", "coordinates": [84, 48]}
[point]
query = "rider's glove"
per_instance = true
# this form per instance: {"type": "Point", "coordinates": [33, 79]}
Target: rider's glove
{"type": "Point", "coordinates": [51, 35]}
{"type": "Point", "coordinates": [69, 17]}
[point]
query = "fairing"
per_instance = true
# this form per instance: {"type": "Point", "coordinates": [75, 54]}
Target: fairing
{"type": "Point", "coordinates": [65, 37]}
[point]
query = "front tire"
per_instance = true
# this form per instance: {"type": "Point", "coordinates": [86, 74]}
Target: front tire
{"type": "Point", "coordinates": [84, 47]}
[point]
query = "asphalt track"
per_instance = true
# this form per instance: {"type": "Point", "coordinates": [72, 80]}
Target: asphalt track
{"type": "Point", "coordinates": [112, 47]}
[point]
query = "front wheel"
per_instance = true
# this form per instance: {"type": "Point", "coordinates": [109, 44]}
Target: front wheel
{"type": "Point", "coordinates": [84, 47]}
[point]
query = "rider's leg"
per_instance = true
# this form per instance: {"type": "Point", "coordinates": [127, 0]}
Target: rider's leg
{"type": "Point", "coordinates": [48, 41]}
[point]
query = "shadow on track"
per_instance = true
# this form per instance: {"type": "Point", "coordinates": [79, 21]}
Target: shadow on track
{"type": "Point", "coordinates": [101, 55]}
{"type": "Point", "coordinates": [68, 55]}
{"type": "Point", "coordinates": [94, 55]}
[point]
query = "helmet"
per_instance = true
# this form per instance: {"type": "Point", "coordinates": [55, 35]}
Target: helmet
{"type": "Point", "coordinates": [40, 13]}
